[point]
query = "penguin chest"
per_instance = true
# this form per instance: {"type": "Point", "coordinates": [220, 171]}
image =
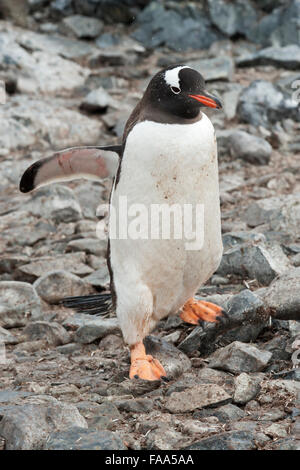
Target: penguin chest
{"type": "Point", "coordinates": [168, 165]}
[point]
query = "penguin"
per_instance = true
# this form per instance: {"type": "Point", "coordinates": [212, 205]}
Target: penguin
{"type": "Point", "coordinates": [168, 156]}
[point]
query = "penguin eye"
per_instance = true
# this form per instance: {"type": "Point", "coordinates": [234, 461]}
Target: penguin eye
{"type": "Point", "coordinates": [175, 90]}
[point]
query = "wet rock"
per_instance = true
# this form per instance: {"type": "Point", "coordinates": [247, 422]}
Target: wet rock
{"type": "Point", "coordinates": [250, 148]}
{"type": "Point", "coordinates": [246, 388]}
{"type": "Point", "coordinates": [233, 440]}
{"type": "Point", "coordinates": [175, 362]}
{"type": "Point", "coordinates": [262, 104]}
{"type": "Point", "coordinates": [96, 329]}
{"type": "Point", "coordinates": [199, 396]}
{"type": "Point", "coordinates": [283, 296]}
{"type": "Point", "coordinates": [53, 332]}
{"type": "Point", "coordinates": [232, 18]}
{"type": "Point", "coordinates": [27, 427]}
{"type": "Point", "coordinates": [287, 57]}
{"type": "Point", "coordinates": [82, 26]}
{"type": "Point", "coordinates": [96, 101]}
{"type": "Point", "coordinates": [55, 285]}
{"type": "Point", "coordinates": [240, 357]}
{"type": "Point", "coordinates": [55, 202]}
{"type": "Point", "coordinates": [19, 302]}
{"type": "Point", "coordinates": [219, 68]}
{"type": "Point", "coordinates": [76, 438]}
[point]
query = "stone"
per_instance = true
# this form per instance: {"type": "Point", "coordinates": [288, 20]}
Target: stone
{"type": "Point", "coordinates": [26, 120]}
{"type": "Point", "coordinates": [247, 388]}
{"type": "Point", "coordinates": [240, 357]}
{"type": "Point", "coordinates": [263, 104]}
{"type": "Point", "coordinates": [276, 430]}
{"type": "Point", "coordinates": [74, 263]}
{"type": "Point", "coordinates": [196, 397]}
{"type": "Point", "coordinates": [19, 303]}
{"type": "Point", "coordinates": [232, 18]}
{"type": "Point", "coordinates": [100, 277]}
{"type": "Point", "coordinates": [60, 8]}
{"type": "Point", "coordinates": [281, 213]}
{"type": "Point", "coordinates": [261, 261]}
{"type": "Point", "coordinates": [138, 405]}
{"type": "Point", "coordinates": [191, 426]}
{"type": "Point", "coordinates": [281, 27]}
{"type": "Point", "coordinates": [282, 297]}
{"type": "Point", "coordinates": [76, 438]}
{"type": "Point", "coordinates": [174, 361]}
{"type": "Point", "coordinates": [219, 68]}
{"type": "Point", "coordinates": [228, 413]}
{"type": "Point", "coordinates": [164, 438]}
{"type": "Point", "coordinates": [96, 101]}
{"type": "Point", "coordinates": [250, 148]}
{"type": "Point", "coordinates": [287, 57]}
{"type": "Point", "coordinates": [55, 202]}
{"type": "Point", "coordinates": [53, 332]}
{"type": "Point", "coordinates": [101, 417]}
{"type": "Point", "coordinates": [6, 338]}
{"type": "Point", "coordinates": [93, 246]}
{"type": "Point", "coordinates": [232, 440]}
{"type": "Point", "coordinates": [158, 26]}
{"type": "Point", "coordinates": [82, 26]}
{"type": "Point", "coordinates": [55, 285]}
{"type": "Point", "coordinates": [96, 329]}
{"type": "Point", "coordinates": [27, 427]}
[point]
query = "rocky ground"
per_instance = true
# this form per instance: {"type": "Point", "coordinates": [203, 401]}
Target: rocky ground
{"type": "Point", "coordinates": [73, 72]}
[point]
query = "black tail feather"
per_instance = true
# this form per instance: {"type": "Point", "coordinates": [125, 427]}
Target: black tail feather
{"type": "Point", "coordinates": [96, 304]}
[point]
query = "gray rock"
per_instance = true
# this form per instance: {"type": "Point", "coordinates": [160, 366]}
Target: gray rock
{"type": "Point", "coordinates": [262, 104]}
{"type": "Point", "coordinates": [55, 202]}
{"type": "Point", "coordinates": [200, 396]}
{"type": "Point", "coordinates": [175, 362]}
{"type": "Point", "coordinates": [19, 303]}
{"type": "Point", "coordinates": [281, 27]}
{"type": "Point", "coordinates": [219, 68]}
{"type": "Point", "coordinates": [232, 18]}
{"type": "Point", "coordinates": [249, 148]}
{"type": "Point", "coordinates": [158, 26]}
{"type": "Point", "coordinates": [28, 427]}
{"type": "Point", "coordinates": [281, 213]}
{"type": "Point", "coordinates": [100, 416]}
{"type": "Point", "coordinates": [6, 338]}
{"type": "Point", "coordinates": [96, 101]}
{"type": "Point", "coordinates": [287, 57]}
{"type": "Point", "coordinates": [55, 285]}
{"type": "Point", "coordinates": [100, 277]}
{"type": "Point", "coordinates": [233, 440]}
{"type": "Point", "coordinates": [76, 438]}
{"type": "Point", "coordinates": [82, 26]}
{"type": "Point", "coordinates": [74, 263]}
{"type": "Point", "coordinates": [93, 246]}
{"type": "Point", "coordinates": [59, 8]}
{"type": "Point", "coordinates": [138, 405]}
{"type": "Point", "coordinates": [164, 438]}
{"type": "Point", "coordinates": [240, 357]}
{"type": "Point", "coordinates": [257, 261]}
{"type": "Point", "coordinates": [228, 413]}
{"type": "Point", "coordinates": [26, 120]}
{"type": "Point", "coordinates": [282, 297]}
{"type": "Point", "coordinates": [96, 329]}
{"type": "Point", "coordinates": [53, 332]}
{"type": "Point", "coordinates": [247, 388]}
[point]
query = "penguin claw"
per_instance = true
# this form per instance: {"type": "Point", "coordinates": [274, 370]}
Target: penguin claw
{"type": "Point", "coordinates": [143, 366]}
{"type": "Point", "coordinates": [197, 311]}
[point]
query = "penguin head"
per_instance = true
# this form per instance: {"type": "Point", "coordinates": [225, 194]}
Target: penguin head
{"type": "Point", "coordinates": [180, 90]}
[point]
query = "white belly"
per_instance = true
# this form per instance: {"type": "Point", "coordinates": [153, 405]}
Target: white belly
{"type": "Point", "coordinates": [167, 164]}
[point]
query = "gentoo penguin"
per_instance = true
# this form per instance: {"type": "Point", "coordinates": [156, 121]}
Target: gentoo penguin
{"type": "Point", "coordinates": [168, 156]}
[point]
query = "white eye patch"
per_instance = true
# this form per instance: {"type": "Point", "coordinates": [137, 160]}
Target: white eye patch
{"type": "Point", "coordinates": [172, 76]}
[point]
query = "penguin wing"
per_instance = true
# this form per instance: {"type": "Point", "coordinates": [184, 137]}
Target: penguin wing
{"type": "Point", "coordinates": [78, 162]}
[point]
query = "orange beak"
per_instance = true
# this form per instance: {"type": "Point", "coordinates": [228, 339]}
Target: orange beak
{"type": "Point", "coordinates": [208, 100]}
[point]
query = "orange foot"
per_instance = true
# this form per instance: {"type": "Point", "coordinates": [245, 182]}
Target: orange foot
{"type": "Point", "coordinates": [194, 311]}
{"type": "Point", "coordinates": [144, 366]}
